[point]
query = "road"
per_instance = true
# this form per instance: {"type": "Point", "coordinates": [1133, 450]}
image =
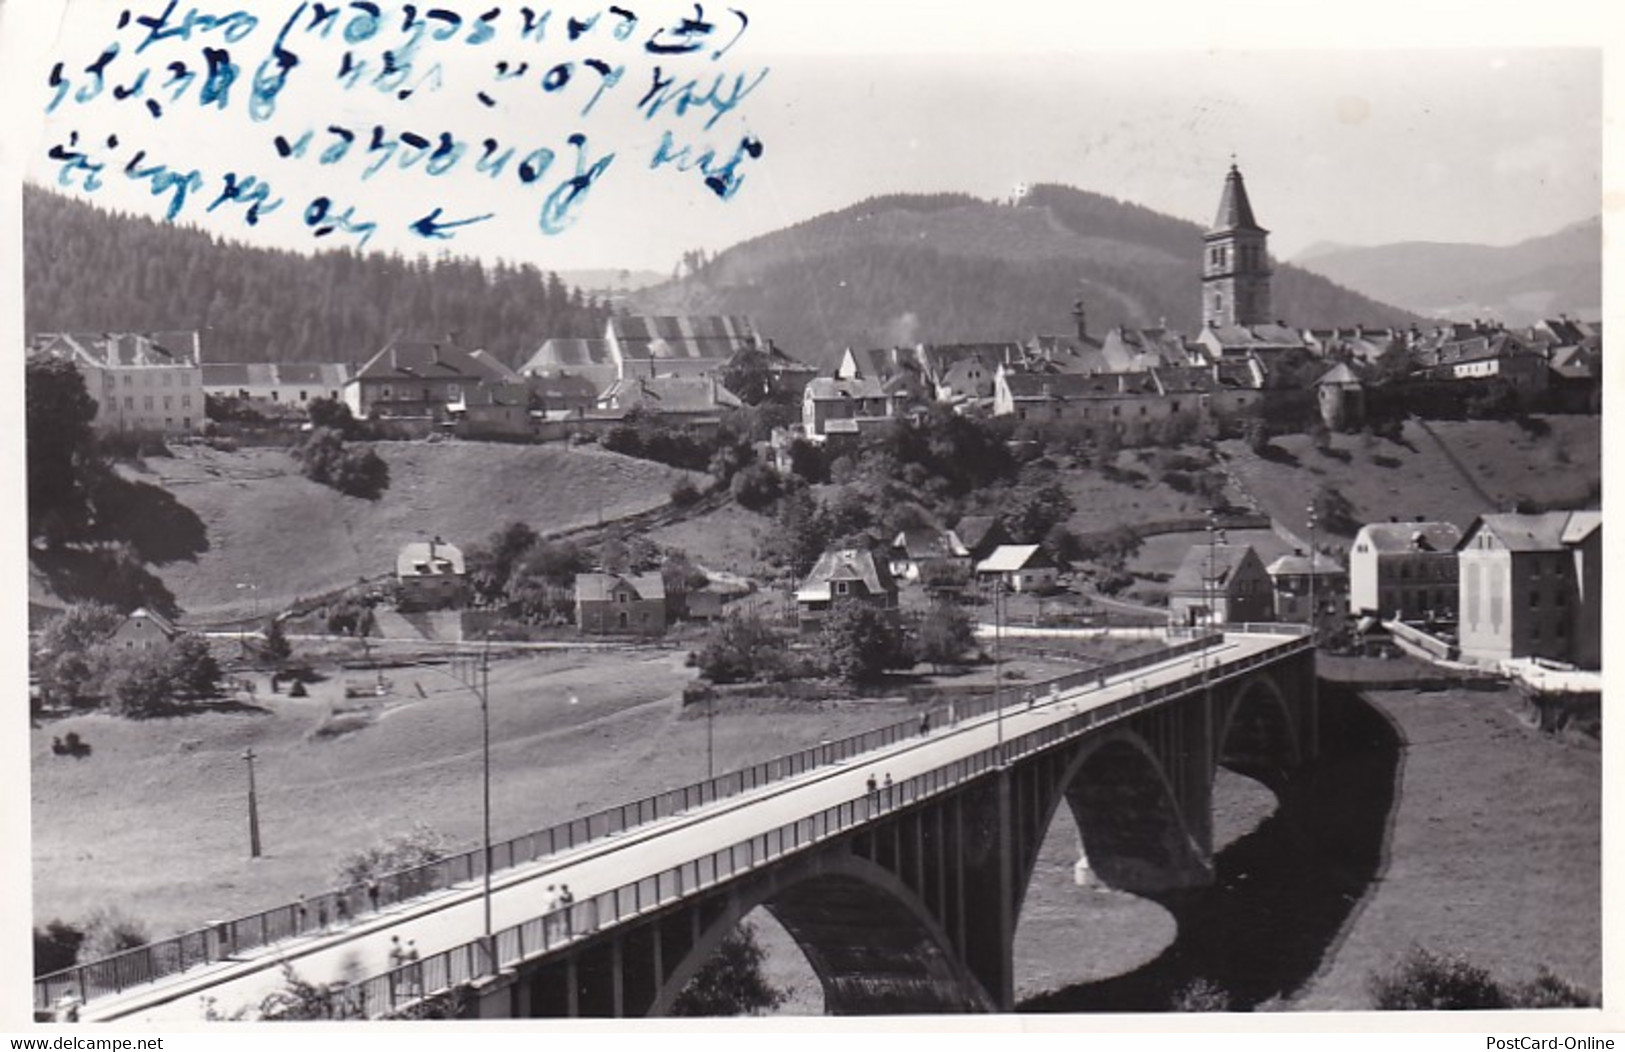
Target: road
{"type": "Point", "coordinates": [455, 916]}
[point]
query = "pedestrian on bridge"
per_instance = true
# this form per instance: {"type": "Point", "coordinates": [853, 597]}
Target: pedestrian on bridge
{"type": "Point", "coordinates": [567, 903]}
{"type": "Point", "coordinates": [925, 723]}
{"type": "Point", "coordinates": [373, 892]}
{"type": "Point", "coordinates": [873, 793]}
{"type": "Point", "coordinates": [414, 971]}
{"type": "Point", "coordinates": [888, 789]}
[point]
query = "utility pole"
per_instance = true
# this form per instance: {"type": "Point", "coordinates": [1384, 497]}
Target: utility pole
{"type": "Point", "coordinates": [710, 711]}
{"type": "Point", "coordinates": [485, 726]}
{"type": "Point", "coordinates": [1314, 610]}
{"type": "Point", "coordinates": [253, 809]}
{"type": "Point", "coordinates": [998, 660]}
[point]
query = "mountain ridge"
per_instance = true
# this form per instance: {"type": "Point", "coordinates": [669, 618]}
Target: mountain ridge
{"type": "Point", "coordinates": [943, 268]}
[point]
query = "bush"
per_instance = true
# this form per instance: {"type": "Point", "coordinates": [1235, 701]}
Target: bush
{"type": "Point", "coordinates": [684, 493]}
{"type": "Point", "coordinates": [1547, 990]}
{"type": "Point", "coordinates": [741, 649]}
{"type": "Point", "coordinates": [56, 946]}
{"type": "Point", "coordinates": [944, 635]}
{"type": "Point", "coordinates": [1426, 981]}
{"type": "Point", "coordinates": [417, 846]}
{"type": "Point", "coordinates": [109, 931]}
{"type": "Point", "coordinates": [1200, 995]}
{"type": "Point", "coordinates": [755, 487]}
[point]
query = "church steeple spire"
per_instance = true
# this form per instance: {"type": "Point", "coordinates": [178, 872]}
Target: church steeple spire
{"type": "Point", "coordinates": [1235, 211]}
{"type": "Point", "coordinates": [1236, 269]}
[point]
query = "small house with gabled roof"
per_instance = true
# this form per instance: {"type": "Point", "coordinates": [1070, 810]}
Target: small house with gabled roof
{"type": "Point", "coordinates": [844, 575]}
{"type": "Point", "coordinates": [1220, 584]}
{"type": "Point", "coordinates": [144, 630]}
{"type": "Point", "coordinates": [621, 604]}
{"type": "Point", "coordinates": [1020, 568]}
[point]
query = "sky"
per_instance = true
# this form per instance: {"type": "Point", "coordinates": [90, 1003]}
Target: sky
{"type": "Point", "coordinates": [1347, 131]}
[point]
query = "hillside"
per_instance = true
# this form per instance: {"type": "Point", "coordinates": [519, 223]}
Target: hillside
{"type": "Point", "coordinates": [946, 268]}
{"type": "Point", "coordinates": [250, 518]}
{"type": "Point", "coordinates": [87, 270]}
{"type": "Point", "coordinates": [1449, 471]}
{"type": "Point", "coordinates": [1516, 284]}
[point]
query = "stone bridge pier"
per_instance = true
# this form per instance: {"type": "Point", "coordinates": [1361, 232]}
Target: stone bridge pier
{"type": "Point", "coordinates": [916, 910]}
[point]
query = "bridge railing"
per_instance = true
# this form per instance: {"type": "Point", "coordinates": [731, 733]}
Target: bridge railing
{"type": "Point", "coordinates": [224, 939]}
{"type": "Point", "coordinates": [382, 995]}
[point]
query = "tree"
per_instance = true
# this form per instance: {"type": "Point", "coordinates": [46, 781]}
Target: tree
{"type": "Point", "coordinates": [741, 648]}
{"type": "Point", "coordinates": [333, 414]}
{"type": "Point", "coordinates": [192, 669]}
{"type": "Point", "coordinates": [944, 635]}
{"type": "Point", "coordinates": [860, 642]}
{"type": "Point", "coordinates": [731, 982]}
{"type": "Point", "coordinates": [62, 458]}
{"type": "Point", "coordinates": [142, 685]}
{"type": "Point", "coordinates": [755, 487]}
{"type": "Point", "coordinates": [276, 640]}
{"type": "Point", "coordinates": [68, 659]}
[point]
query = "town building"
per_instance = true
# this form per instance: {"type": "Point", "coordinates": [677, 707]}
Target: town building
{"type": "Point", "coordinates": [1300, 586]}
{"type": "Point", "coordinates": [281, 384]}
{"type": "Point", "coordinates": [430, 575]}
{"type": "Point", "coordinates": [1531, 587]}
{"type": "Point", "coordinates": [692, 400]}
{"type": "Point", "coordinates": [1220, 583]}
{"type": "Point", "coordinates": [981, 534]}
{"type": "Point", "coordinates": [493, 409]}
{"type": "Point", "coordinates": [844, 575]}
{"type": "Point", "coordinates": [1404, 571]}
{"type": "Point", "coordinates": [1341, 397]}
{"type": "Point", "coordinates": [683, 345]}
{"type": "Point", "coordinates": [925, 553]}
{"type": "Point", "coordinates": [585, 359]}
{"type": "Point", "coordinates": [415, 380]}
{"type": "Point", "coordinates": [1019, 568]}
{"type": "Point", "coordinates": [139, 381]}
{"type": "Point", "coordinates": [836, 406]}
{"type": "Point", "coordinates": [144, 630]}
{"type": "Point", "coordinates": [620, 604]}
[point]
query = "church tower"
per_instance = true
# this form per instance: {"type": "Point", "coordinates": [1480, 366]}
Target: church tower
{"type": "Point", "coordinates": [1236, 266]}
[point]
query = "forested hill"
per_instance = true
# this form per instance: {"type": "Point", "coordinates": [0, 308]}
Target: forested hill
{"type": "Point", "coordinates": [87, 270]}
{"type": "Point", "coordinates": [952, 268]}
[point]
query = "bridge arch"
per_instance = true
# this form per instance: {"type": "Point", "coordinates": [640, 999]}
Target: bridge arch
{"type": "Point", "coordinates": [1135, 834]}
{"type": "Point", "coordinates": [1256, 731]}
{"type": "Point", "coordinates": [874, 946]}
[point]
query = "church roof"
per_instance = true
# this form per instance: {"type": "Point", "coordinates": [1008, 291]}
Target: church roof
{"type": "Point", "coordinates": [1235, 211]}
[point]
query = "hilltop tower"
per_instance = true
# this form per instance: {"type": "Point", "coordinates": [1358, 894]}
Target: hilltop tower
{"type": "Point", "coordinates": [1236, 266]}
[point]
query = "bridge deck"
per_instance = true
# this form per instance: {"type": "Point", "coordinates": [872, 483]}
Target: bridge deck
{"type": "Point", "coordinates": [450, 919]}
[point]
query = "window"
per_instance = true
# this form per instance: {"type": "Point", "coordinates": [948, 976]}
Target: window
{"type": "Point", "coordinates": [186, 401]}
{"type": "Point", "coordinates": [169, 379]}
{"type": "Point", "coordinates": [275, 396]}
{"type": "Point", "coordinates": [128, 380]}
{"type": "Point", "coordinates": [167, 401]}
{"type": "Point", "coordinates": [841, 587]}
{"type": "Point", "coordinates": [1534, 599]}
{"type": "Point", "coordinates": [186, 379]}
{"type": "Point", "coordinates": [129, 402]}
{"type": "Point", "coordinates": [186, 422]}
{"type": "Point", "coordinates": [303, 397]}
{"type": "Point", "coordinates": [453, 391]}
{"type": "Point", "coordinates": [107, 380]}
{"type": "Point", "coordinates": [146, 402]}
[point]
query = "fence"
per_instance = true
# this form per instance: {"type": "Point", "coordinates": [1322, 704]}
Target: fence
{"type": "Point", "coordinates": [143, 964]}
{"type": "Point", "coordinates": [382, 995]}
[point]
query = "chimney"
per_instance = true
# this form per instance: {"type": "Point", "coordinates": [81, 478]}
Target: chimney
{"type": "Point", "coordinates": [1081, 316]}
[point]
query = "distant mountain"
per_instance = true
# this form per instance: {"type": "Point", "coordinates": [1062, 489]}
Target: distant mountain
{"type": "Point", "coordinates": [88, 270]}
{"type": "Point", "coordinates": [1516, 284]}
{"type": "Point", "coordinates": [952, 268]}
{"type": "Point", "coordinates": [1320, 248]}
